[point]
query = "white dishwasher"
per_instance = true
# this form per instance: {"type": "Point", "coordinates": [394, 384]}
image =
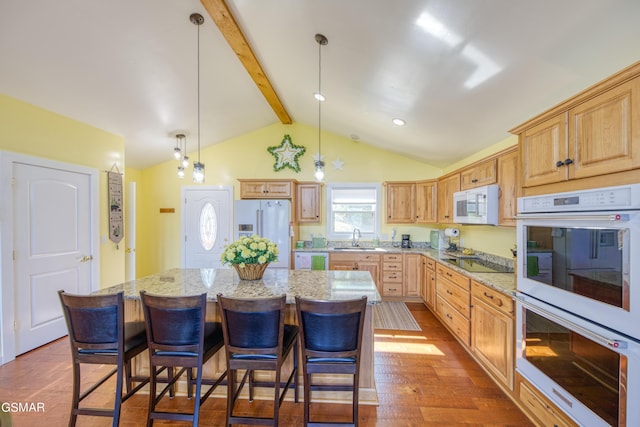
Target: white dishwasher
{"type": "Point", "coordinates": [311, 261]}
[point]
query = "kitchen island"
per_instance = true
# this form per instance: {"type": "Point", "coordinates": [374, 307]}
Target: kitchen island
{"type": "Point", "coordinates": [323, 285]}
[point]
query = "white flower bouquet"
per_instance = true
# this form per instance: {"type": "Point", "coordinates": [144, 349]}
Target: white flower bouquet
{"type": "Point", "coordinates": [250, 250]}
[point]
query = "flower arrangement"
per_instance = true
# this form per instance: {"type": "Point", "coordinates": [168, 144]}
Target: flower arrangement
{"type": "Point", "coordinates": [250, 250]}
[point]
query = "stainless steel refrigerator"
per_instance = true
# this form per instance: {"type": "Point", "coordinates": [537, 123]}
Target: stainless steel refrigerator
{"type": "Point", "coordinates": [266, 218]}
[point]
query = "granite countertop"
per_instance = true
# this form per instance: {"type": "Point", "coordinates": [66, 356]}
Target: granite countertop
{"type": "Point", "coordinates": [322, 285]}
{"type": "Point", "coordinates": [502, 282]}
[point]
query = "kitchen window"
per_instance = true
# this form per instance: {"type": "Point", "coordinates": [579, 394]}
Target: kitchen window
{"type": "Point", "coordinates": [351, 206]}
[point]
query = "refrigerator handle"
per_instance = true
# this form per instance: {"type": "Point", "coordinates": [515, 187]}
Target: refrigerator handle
{"type": "Point", "coordinates": [259, 222]}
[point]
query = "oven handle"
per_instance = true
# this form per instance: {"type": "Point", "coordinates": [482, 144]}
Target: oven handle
{"type": "Point", "coordinates": [555, 217]}
{"type": "Point", "coordinates": [614, 344]}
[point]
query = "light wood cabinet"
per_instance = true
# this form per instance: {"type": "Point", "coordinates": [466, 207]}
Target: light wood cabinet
{"type": "Point", "coordinates": [392, 275]}
{"type": "Point", "coordinates": [426, 202]}
{"type": "Point", "coordinates": [543, 411]}
{"type": "Point", "coordinates": [412, 275]}
{"type": "Point", "coordinates": [507, 164]}
{"type": "Point", "coordinates": [308, 202]}
{"type": "Point", "coordinates": [429, 281]}
{"type": "Point", "coordinates": [453, 302]}
{"type": "Point", "coordinates": [446, 187]}
{"type": "Point", "coordinates": [267, 189]}
{"type": "Point", "coordinates": [604, 133]}
{"type": "Point", "coordinates": [357, 261]}
{"type": "Point", "coordinates": [400, 202]}
{"type": "Point", "coordinates": [492, 325]}
{"type": "Point", "coordinates": [478, 174]}
{"type": "Point", "coordinates": [590, 140]}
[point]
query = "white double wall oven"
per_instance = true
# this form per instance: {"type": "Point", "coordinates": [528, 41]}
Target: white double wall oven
{"type": "Point", "coordinates": [578, 301]}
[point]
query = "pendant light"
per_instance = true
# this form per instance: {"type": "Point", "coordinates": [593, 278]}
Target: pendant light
{"type": "Point", "coordinates": [181, 147]}
{"type": "Point", "coordinates": [198, 167]}
{"type": "Point", "coordinates": [322, 41]}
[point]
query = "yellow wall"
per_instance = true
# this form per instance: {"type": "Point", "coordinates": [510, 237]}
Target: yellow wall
{"type": "Point", "coordinates": [30, 130]}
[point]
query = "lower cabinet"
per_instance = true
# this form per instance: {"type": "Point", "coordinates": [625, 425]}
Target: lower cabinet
{"type": "Point", "coordinates": [492, 323]}
{"type": "Point", "coordinates": [453, 302]}
{"type": "Point", "coordinates": [392, 275]}
{"type": "Point", "coordinates": [429, 282]}
{"type": "Point", "coordinates": [537, 406]}
{"type": "Point", "coordinates": [357, 261]}
{"type": "Point", "coordinates": [412, 266]}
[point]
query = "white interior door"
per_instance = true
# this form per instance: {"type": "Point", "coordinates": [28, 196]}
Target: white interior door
{"type": "Point", "coordinates": [207, 225]}
{"type": "Point", "coordinates": [130, 235]}
{"type": "Point", "coordinates": [53, 242]}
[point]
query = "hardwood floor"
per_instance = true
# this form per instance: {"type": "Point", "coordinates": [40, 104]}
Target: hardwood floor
{"type": "Point", "coordinates": [423, 379]}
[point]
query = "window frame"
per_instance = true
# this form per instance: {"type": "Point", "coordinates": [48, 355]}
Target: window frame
{"type": "Point", "coordinates": [350, 185]}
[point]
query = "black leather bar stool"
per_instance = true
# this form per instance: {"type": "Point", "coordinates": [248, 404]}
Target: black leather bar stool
{"type": "Point", "coordinates": [257, 339]}
{"type": "Point", "coordinates": [179, 337]}
{"type": "Point", "coordinates": [99, 335]}
{"type": "Point", "coordinates": [331, 336]}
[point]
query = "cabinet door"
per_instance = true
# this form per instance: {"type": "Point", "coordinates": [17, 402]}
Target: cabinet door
{"type": "Point", "coordinates": [508, 183]}
{"type": "Point", "coordinates": [483, 173]}
{"type": "Point", "coordinates": [412, 275]}
{"type": "Point", "coordinates": [541, 148]}
{"type": "Point", "coordinates": [265, 189]}
{"type": "Point", "coordinates": [372, 267]}
{"type": "Point", "coordinates": [604, 133]}
{"type": "Point", "coordinates": [308, 203]}
{"type": "Point", "coordinates": [492, 340]}
{"type": "Point", "coordinates": [431, 288]}
{"type": "Point", "coordinates": [400, 202]}
{"type": "Point", "coordinates": [426, 202]}
{"type": "Point", "coordinates": [446, 188]}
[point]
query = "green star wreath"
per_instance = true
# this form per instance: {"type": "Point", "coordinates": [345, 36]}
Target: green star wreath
{"type": "Point", "coordinates": [286, 154]}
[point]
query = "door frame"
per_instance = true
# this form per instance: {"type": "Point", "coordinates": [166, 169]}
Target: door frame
{"type": "Point", "coordinates": [7, 280]}
{"type": "Point", "coordinates": [183, 221]}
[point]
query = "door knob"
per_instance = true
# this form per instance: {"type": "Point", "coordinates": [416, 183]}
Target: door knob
{"type": "Point", "coordinates": [86, 258]}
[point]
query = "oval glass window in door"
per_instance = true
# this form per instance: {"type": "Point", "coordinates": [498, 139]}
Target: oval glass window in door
{"type": "Point", "coordinates": [208, 226]}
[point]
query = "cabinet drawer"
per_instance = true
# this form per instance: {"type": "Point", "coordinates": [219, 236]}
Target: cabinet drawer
{"type": "Point", "coordinates": [392, 258]}
{"type": "Point", "coordinates": [454, 295]}
{"type": "Point", "coordinates": [392, 276]}
{"type": "Point", "coordinates": [394, 266]}
{"type": "Point", "coordinates": [455, 277]}
{"type": "Point", "coordinates": [392, 289]}
{"type": "Point", "coordinates": [494, 298]}
{"type": "Point", "coordinates": [431, 263]}
{"type": "Point", "coordinates": [353, 257]}
{"type": "Point", "coordinates": [547, 414]}
{"type": "Point", "coordinates": [458, 324]}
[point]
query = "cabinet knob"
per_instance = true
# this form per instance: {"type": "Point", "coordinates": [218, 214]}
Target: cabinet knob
{"type": "Point", "coordinates": [559, 163]}
{"type": "Point", "coordinates": [474, 180]}
{"type": "Point", "coordinates": [568, 162]}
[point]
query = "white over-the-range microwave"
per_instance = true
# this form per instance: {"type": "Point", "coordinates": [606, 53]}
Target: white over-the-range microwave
{"type": "Point", "coordinates": [476, 206]}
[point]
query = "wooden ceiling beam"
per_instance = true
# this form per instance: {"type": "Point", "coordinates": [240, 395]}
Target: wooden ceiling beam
{"type": "Point", "coordinates": [221, 15]}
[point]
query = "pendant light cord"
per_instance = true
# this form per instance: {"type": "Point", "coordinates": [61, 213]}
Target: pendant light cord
{"type": "Point", "coordinates": [198, 93]}
{"type": "Point", "coordinates": [319, 100]}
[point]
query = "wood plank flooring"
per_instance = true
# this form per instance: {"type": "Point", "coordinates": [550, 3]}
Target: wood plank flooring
{"type": "Point", "coordinates": [423, 379]}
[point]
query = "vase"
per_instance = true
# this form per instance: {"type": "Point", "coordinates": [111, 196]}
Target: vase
{"type": "Point", "coordinates": [251, 271]}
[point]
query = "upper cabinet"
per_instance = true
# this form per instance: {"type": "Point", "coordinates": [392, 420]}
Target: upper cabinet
{"type": "Point", "coordinates": [308, 202]}
{"type": "Point", "coordinates": [267, 189]}
{"type": "Point", "coordinates": [400, 202]}
{"type": "Point", "coordinates": [507, 166]}
{"type": "Point", "coordinates": [590, 140]}
{"type": "Point", "coordinates": [426, 201]}
{"type": "Point", "coordinates": [478, 174]}
{"type": "Point", "coordinates": [446, 187]}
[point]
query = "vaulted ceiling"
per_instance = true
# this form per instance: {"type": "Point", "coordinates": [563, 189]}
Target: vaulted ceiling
{"type": "Point", "coordinates": [460, 72]}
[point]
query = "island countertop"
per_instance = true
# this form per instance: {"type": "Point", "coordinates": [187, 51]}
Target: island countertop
{"type": "Point", "coordinates": [321, 285]}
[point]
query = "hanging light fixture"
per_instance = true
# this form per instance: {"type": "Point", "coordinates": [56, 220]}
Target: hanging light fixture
{"type": "Point", "coordinates": [181, 147]}
{"type": "Point", "coordinates": [198, 167]}
{"type": "Point", "coordinates": [322, 41]}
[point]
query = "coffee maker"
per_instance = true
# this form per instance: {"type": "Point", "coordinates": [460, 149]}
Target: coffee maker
{"type": "Point", "coordinates": [406, 241]}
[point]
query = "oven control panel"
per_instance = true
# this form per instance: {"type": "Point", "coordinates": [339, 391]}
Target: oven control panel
{"type": "Point", "coordinates": [610, 198]}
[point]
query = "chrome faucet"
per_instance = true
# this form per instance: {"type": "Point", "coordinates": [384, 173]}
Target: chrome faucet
{"type": "Point", "coordinates": [354, 242]}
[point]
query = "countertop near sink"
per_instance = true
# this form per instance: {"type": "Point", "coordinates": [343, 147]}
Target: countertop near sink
{"type": "Point", "coordinates": [502, 282]}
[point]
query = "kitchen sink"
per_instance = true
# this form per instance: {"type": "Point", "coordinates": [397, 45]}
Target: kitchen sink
{"type": "Point", "coordinates": [358, 249]}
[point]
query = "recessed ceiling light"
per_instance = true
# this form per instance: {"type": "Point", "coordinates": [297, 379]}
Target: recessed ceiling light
{"type": "Point", "coordinates": [398, 122]}
{"type": "Point", "coordinates": [319, 96]}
